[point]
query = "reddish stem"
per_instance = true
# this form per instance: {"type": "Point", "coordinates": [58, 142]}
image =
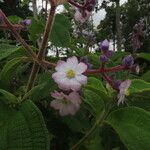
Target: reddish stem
{"type": "Point", "coordinates": [104, 70]}
{"type": "Point", "coordinates": [75, 4]}
{"type": "Point", "coordinates": [16, 27]}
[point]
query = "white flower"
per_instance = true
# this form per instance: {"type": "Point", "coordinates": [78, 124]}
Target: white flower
{"type": "Point", "coordinates": [69, 74]}
{"type": "Point", "coordinates": [66, 104]}
{"type": "Point", "coordinates": [123, 90]}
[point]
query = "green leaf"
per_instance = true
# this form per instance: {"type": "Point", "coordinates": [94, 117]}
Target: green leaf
{"type": "Point", "coordinates": [6, 50]}
{"type": "Point", "coordinates": [60, 33]}
{"type": "Point", "coordinates": [94, 101]}
{"type": "Point", "coordinates": [96, 84]}
{"type": "Point", "coordinates": [9, 69]}
{"type": "Point", "coordinates": [44, 88]}
{"type": "Point", "coordinates": [138, 86]}
{"type": "Point", "coordinates": [79, 122]}
{"type": "Point", "coordinates": [144, 56]}
{"type": "Point", "coordinates": [132, 125]}
{"type": "Point", "coordinates": [35, 29]}
{"type": "Point", "coordinates": [23, 128]}
{"type": "Point", "coordinates": [14, 19]}
{"type": "Point", "coordinates": [146, 76]}
{"type": "Point", "coordinates": [8, 97]}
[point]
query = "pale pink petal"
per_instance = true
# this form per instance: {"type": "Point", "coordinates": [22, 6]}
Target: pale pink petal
{"type": "Point", "coordinates": [60, 65]}
{"type": "Point", "coordinates": [121, 98]}
{"type": "Point", "coordinates": [72, 62]}
{"type": "Point", "coordinates": [64, 84]}
{"type": "Point", "coordinates": [73, 110]}
{"type": "Point", "coordinates": [78, 17]}
{"type": "Point", "coordinates": [81, 67]}
{"type": "Point", "coordinates": [74, 85]}
{"type": "Point", "coordinates": [74, 98]}
{"type": "Point", "coordinates": [125, 85]}
{"type": "Point", "coordinates": [57, 76]}
{"type": "Point", "coordinates": [57, 95]}
{"type": "Point", "coordinates": [64, 111]}
{"type": "Point", "coordinates": [56, 104]}
{"type": "Point", "coordinates": [82, 79]}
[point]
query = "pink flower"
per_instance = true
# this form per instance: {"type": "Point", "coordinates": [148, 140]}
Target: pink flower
{"type": "Point", "coordinates": [80, 17]}
{"type": "Point", "coordinates": [123, 88]}
{"type": "Point", "coordinates": [66, 104]}
{"type": "Point", "coordinates": [69, 74]}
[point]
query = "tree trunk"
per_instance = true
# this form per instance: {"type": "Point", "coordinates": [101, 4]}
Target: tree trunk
{"type": "Point", "coordinates": [118, 25]}
{"type": "Point", "coordinates": [34, 5]}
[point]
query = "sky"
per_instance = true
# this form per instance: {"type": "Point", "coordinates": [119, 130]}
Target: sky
{"type": "Point", "coordinates": [97, 17]}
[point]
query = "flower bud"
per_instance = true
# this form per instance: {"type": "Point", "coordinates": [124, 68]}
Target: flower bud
{"type": "Point", "coordinates": [26, 22]}
{"type": "Point", "coordinates": [135, 69]}
{"type": "Point", "coordinates": [109, 53]}
{"type": "Point", "coordinates": [103, 58]}
{"type": "Point", "coordinates": [85, 60]}
{"type": "Point", "coordinates": [128, 61]}
{"type": "Point", "coordinates": [117, 84]}
{"type": "Point", "coordinates": [104, 45]}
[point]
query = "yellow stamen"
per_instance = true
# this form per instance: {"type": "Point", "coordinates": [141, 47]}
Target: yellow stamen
{"type": "Point", "coordinates": [127, 93]}
{"type": "Point", "coordinates": [71, 74]}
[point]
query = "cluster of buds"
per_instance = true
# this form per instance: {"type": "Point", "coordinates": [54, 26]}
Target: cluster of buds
{"type": "Point", "coordinates": [136, 35]}
{"type": "Point", "coordinates": [128, 62]}
{"type": "Point", "coordinates": [106, 53]}
{"type": "Point", "coordinates": [71, 75]}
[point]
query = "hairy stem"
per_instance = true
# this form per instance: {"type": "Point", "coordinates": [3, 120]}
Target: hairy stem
{"type": "Point", "coordinates": [17, 36]}
{"type": "Point", "coordinates": [104, 70]}
{"type": "Point", "coordinates": [43, 47]}
{"type": "Point", "coordinates": [75, 4]}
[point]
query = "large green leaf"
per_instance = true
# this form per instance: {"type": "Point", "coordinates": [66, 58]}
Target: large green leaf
{"type": "Point", "coordinates": [6, 50]}
{"type": "Point", "coordinates": [23, 129]}
{"type": "Point", "coordinates": [60, 33]}
{"type": "Point", "coordinates": [138, 86]}
{"type": "Point", "coordinates": [9, 69]}
{"type": "Point", "coordinates": [8, 97]}
{"type": "Point", "coordinates": [46, 86]}
{"type": "Point", "coordinates": [146, 76]}
{"type": "Point", "coordinates": [94, 101]}
{"type": "Point", "coordinates": [14, 19]}
{"type": "Point", "coordinates": [133, 126]}
{"type": "Point", "coordinates": [144, 55]}
{"type": "Point", "coordinates": [36, 29]}
{"type": "Point", "coordinates": [96, 84]}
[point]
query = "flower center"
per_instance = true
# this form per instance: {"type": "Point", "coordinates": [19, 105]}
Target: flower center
{"type": "Point", "coordinates": [65, 101]}
{"type": "Point", "coordinates": [70, 74]}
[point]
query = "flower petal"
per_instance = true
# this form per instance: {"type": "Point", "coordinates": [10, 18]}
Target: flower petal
{"type": "Point", "coordinates": [82, 79]}
{"type": "Point", "coordinates": [81, 67]}
{"type": "Point", "coordinates": [57, 76]}
{"type": "Point", "coordinates": [74, 85]}
{"type": "Point", "coordinates": [72, 62]}
{"type": "Point", "coordinates": [64, 84]}
{"type": "Point", "coordinates": [56, 104]}
{"type": "Point", "coordinates": [74, 98]}
{"type": "Point", "coordinates": [57, 95]}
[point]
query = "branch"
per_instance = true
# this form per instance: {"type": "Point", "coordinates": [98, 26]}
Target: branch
{"type": "Point", "coordinates": [43, 47]}
{"type": "Point", "coordinates": [17, 36]}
